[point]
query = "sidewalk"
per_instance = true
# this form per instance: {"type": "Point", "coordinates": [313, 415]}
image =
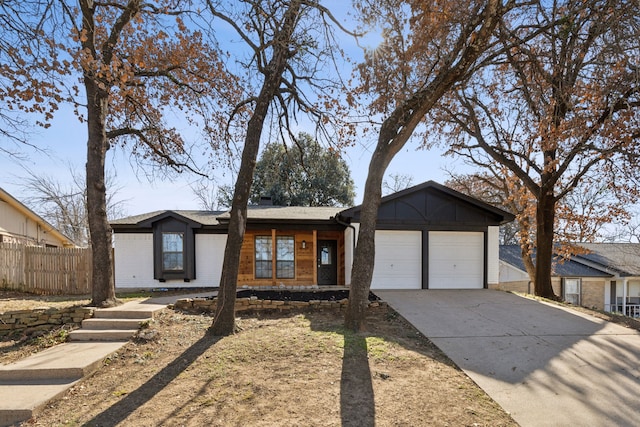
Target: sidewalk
{"type": "Point", "coordinates": [28, 385]}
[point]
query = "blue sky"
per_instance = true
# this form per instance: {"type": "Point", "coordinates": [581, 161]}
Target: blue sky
{"type": "Point", "coordinates": [65, 144]}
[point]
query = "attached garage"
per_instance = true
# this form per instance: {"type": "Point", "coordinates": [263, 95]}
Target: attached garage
{"type": "Point", "coordinates": [432, 237]}
{"type": "Point", "coordinates": [456, 260]}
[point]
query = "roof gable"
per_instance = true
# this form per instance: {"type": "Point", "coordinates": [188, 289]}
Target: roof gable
{"type": "Point", "coordinates": [195, 219]}
{"type": "Point", "coordinates": [433, 203]}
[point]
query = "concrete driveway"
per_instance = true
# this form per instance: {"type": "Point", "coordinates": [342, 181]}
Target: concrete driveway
{"type": "Point", "coordinates": [545, 365]}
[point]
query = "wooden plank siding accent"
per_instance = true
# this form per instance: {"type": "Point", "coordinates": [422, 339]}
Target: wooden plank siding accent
{"type": "Point", "coordinates": [315, 245]}
{"type": "Point", "coordinates": [46, 271]}
{"type": "Point", "coordinates": [305, 258]}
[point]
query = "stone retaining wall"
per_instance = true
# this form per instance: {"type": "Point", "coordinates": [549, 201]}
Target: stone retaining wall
{"type": "Point", "coordinates": [253, 304]}
{"type": "Point", "coordinates": [26, 322]}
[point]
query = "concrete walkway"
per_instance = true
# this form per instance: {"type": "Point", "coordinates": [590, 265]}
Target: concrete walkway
{"type": "Point", "coordinates": [545, 365]}
{"type": "Point", "coordinates": [27, 385]}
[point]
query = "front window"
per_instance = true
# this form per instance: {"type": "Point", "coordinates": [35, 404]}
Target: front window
{"type": "Point", "coordinates": [285, 261]}
{"type": "Point", "coordinates": [572, 291]}
{"type": "Point", "coordinates": [263, 257]}
{"type": "Point", "coordinates": [284, 257]}
{"type": "Point", "coordinates": [173, 251]}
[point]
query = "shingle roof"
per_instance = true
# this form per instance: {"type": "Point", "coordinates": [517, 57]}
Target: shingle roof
{"type": "Point", "coordinates": [288, 213]}
{"type": "Point", "coordinates": [623, 258]}
{"type": "Point", "coordinates": [202, 217]}
{"type": "Point", "coordinates": [569, 268]}
{"type": "Point", "coordinates": [267, 213]}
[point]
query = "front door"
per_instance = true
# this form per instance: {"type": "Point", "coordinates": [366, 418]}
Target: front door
{"type": "Point", "coordinates": [327, 262]}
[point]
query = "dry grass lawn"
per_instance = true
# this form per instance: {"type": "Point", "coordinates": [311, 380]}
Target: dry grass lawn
{"type": "Point", "coordinates": [281, 370]}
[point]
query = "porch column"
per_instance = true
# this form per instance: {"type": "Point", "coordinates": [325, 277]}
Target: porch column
{"type": "Point", "coordinates": [625, 292]}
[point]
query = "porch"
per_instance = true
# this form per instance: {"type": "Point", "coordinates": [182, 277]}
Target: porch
{"type": "Point", "coordinates": [292, 258]}
{"type": "Point", "coordinates": [630, 308]}
{"type": "Point", "coordinates": [624, 297]}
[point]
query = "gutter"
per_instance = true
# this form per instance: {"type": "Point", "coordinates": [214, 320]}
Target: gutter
{"type": "Point", "coordinates": [346, 224]}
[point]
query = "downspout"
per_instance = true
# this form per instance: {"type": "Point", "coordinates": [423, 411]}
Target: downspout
{"type": "Point", "coordinates": [346, 224]}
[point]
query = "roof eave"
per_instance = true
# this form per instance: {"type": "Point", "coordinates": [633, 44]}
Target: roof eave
{"type": "Point", "coordinates": [24, 210]}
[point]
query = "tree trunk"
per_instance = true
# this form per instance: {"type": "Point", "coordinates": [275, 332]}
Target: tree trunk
{"type": "Point", "coordinates": [526, 246]}
{"type": "Point", "coordinates": [389, 143]}
{"type": "Point", "coordinates": [103, 292]}
{"type": "Point", "coordinates": [103, 288]}
{"type": "Point", "coordinates": [362, 272]}
{"type": "Point", "coordinates": [529, 265]}
{"type": "Point", "coordinates": [545, 216]}
{"type": "Point", "coordinates": [224, 319]}
{"type": "Point", "coordinates": [394, 133]}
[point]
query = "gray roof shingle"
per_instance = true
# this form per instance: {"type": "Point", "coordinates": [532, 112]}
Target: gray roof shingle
{"type": "Point", "coordinates": [202, 217]}
{"type": "Point", "coordinates": [568, 268]}
{"type": "Point", "coordinates": [623, 258]}
{"type": "Point", "coordinates": [258, 213]}
{"type": "Point", "coordinates": [288, 213]}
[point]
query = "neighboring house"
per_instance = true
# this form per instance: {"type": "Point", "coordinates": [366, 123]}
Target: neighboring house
{"type": "Point", "coordinates": [574, 281]}
{"type": "Point", "coordinates": [19, 224]}
{"type": "Point", "coordinates": [607, 277]}
{"type": "Point", "coordinates": [428, 236]}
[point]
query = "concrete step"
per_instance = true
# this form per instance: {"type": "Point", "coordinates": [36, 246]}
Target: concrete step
{"type": "Point", "coordinates": [117, 313]}
{"type": "Point", "coordinates": [108, 323]}
{"type": "Point", "coordinates": [22, 400]}
{"type": "Point", "coordinates": [64, 361]}
{"type": "Point", "coordinates": [102, 335]}
{"type": "Point", "coordinates": [27, 385]}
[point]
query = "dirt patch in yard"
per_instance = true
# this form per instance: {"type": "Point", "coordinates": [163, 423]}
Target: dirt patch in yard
{"type": "Point", "coordinates": [287, 370]}
{"type": "Point", "coordinates": [14, 301]}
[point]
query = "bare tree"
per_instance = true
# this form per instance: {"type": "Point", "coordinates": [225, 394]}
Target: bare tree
{"type": "Point", "coordinates": [137, 62]}
{"type": "Point", "coordinates": [396, 182]}
{"type": "Point", "coordinates": [64, 204]}
{"type": "Point", "coordinates": [206, 193]}
{"type": "Point", "coordinates": [413, 70]}
{"type": "Point", "coordinates": [562, 103]}
{"type": "Point", "coordinates": [288, 43]}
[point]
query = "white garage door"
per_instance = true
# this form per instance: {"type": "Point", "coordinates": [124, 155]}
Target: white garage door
{"type": "Point", "coordinates": [456, 260]}
{"type": "Point", "coordinates": [398, 262]}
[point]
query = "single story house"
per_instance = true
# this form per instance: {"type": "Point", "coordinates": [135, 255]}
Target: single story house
{"type": "Point", "coordinates": [606, 277]}
{"type": "Point", "coordinates": [19, 224]}
{"type": "Point", "coordinates": [427, 237]}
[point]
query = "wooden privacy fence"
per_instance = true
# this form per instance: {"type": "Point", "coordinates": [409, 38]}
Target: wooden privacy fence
{"type": "Point", "coordinates": [48, 271]}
